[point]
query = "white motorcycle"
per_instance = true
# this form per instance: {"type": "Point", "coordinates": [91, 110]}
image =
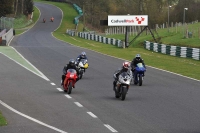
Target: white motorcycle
{"type": "Point", "coordinates": [82, 66]}
{"type": "Point", "coordinates": [122, 85]}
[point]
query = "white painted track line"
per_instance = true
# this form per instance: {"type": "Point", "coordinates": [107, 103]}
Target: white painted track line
{"type": "Point", "coordinates": [110, 128]}
{"type": "Point", "coordinates": [91, 114]}
{"type": "Point", "coordinates": [30, 118]}
{"type": "Point", "coordinates": [53, 84]}
{"type": "Point", "coordinates": [68, 96]}
{"type": "Point", "coordinates": [59, 89]}
{"type": "Point", "coordinates": [78, 104]}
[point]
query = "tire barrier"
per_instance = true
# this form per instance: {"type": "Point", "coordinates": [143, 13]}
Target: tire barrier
{"type": "Point", "coordinates": [101, 39]}
{"type": "Point", "coordinates": [185, 52]}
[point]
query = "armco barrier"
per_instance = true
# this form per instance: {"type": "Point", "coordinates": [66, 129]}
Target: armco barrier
{"type": "Point", "coordinates": [1, 34]}
{"type": "Point", "coordinates": [178, 51]}
{"type": "Point", "coordinates": [80, 12]}
{"type": "Point", "coordinates": [101, 39]}
{"type": "Point", "coordinates": [7, 37]}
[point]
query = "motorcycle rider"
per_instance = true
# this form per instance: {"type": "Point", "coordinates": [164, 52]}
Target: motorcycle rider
{"type": "Point", "coordinates": [44, 20]}
{"type": "Point", "coordinates": [70, 65]}
{"type": "Point", "coordinates": [81, 56]}
{"type": "Point", "coordinates": [135, 61]}
{"type": "Point", "coordinates": [125, 67]}
{"type": "Point", "coordinates": [52, 19]}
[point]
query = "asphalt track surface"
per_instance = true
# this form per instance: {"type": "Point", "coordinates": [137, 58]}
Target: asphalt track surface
{"type": "Point", "coordinates": [166, 103]}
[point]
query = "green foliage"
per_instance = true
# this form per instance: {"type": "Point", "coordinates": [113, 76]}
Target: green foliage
{"type": "Point", "coordinates": [21, 22]}
{"type": "Point", "coordinates": [28, 9]}
{"type": "Point", "coordinates": [6, 7]}
{"type": "Point", "coordinates": [2, 120]}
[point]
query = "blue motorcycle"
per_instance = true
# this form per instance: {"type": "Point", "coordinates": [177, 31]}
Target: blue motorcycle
{"type": "Point", "coordinates": [139, 74]}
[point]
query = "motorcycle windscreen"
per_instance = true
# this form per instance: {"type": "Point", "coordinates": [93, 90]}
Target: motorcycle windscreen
{"type": "Point", "coordinates": [72, 71]}
{"type": "Point", "coordinates": [124, 74]}
{"type": "Point", "coordinates": [140, 67]}
{"type": "Point", "coordinates": [85, 64]}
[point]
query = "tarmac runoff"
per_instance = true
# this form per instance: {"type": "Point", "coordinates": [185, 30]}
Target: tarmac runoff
{"type": "Point", "coordinates": [14, 55]}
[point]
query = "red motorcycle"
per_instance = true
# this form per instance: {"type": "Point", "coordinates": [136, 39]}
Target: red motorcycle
{"type": "Point", "coordinates": [70, 80]}
{"type": "Point", "coordinates": [52, 19]}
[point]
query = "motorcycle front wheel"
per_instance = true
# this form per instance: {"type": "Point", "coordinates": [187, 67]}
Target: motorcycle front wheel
{"type": "Point", "coordinates": [117, 95]}
{"type": "Point", "coordinates": [69, 88]}
{"type": "Point", "coordinates": [81, 75]}
{"type": "Point", "coordinates": [124, 91]}
{"type": "Point", "coordinates": [140, 80]}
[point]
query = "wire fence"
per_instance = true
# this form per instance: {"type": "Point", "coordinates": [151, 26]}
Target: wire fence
{"type": "Point", "coordinates": [6, 23]}
{"type": "Point", "coordinates": [173, 27]}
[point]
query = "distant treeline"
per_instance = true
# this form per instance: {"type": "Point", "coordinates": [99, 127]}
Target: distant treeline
{"type": "Point", "coordinates": [15, 7]}
{"type": "Point", "coordinates": [157, 10]}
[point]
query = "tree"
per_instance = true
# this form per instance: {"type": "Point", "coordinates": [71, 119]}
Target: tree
{"type": "Point", "coordinates": [6, 7]}
{"type": "Point", "coordinates": [28, 7]}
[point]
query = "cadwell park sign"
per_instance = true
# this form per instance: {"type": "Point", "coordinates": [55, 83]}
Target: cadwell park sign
{"type": "Point", "coordinates": [127, 20]}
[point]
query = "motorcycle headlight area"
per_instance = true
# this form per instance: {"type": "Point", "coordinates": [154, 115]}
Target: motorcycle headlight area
{"type": "Point", "coordinates": [71, 75]}
{"type": "Point", "coordinates": [124, 80]}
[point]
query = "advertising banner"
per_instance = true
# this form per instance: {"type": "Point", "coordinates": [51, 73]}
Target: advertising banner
{"type": "Point", "coordinates": [127, 20]}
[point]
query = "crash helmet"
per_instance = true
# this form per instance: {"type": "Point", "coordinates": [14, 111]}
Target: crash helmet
{"type": "Point", "coordinates": [83, 54]}
{"type": "Point", "coordinates": [71, 62]}
{"type": "Point", "coordinates": [137, 57]}
{"type": "Point", "coordinates": [126, 64]}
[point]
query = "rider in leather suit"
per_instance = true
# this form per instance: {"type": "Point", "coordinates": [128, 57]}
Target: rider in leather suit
{"type": "Point", "coordinates": [124, 68]}
{"type": "Point", "coordinates": [70, 65]}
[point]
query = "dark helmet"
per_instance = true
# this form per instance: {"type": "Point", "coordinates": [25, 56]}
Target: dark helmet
{"type": "Point", "coordinates": [126, 64]}
{"type": "Point", "coordinates": [83, 54]}
{"type": "Point", "coordinates": [137, 57]}
{"type": "Point", "coordinates": [71, 62]}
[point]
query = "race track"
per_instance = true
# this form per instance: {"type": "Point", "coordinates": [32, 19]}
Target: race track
{"type": "Point", "coordinates": [166, 103]}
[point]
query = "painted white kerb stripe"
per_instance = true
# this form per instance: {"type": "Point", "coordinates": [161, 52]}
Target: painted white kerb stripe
{"type": "Point", "coordinates": [91, 114]}
{"type": "Point", "coordinates": [78, 104]}
{"type": "Point", "coordinates": [110, 128]}
{"type": "Point", "coordinates": [30, 118]}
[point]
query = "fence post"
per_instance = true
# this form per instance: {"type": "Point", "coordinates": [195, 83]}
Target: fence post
{"type": "Point", "coordinates": [199, 33]}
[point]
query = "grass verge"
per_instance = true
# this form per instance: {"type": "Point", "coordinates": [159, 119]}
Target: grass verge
{"type": "Point", "coordinates": [2, 120]}
{"type": "Point", "coordinates": [21, 24]}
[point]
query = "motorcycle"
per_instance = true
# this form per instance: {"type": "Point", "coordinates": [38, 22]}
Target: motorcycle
{"type": "Point", "coordinates": [52, 19]}
{"type": "Point", "coordinates": [82, 66]}
{"type": "Point", "coordinates": [70, 80]}
{"type": "Point", "coordinates": [122, 84]}
{"type": "Point", "coordinates": [44, 20]}
{"type": "Point", "coordinates": [139, 74]}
